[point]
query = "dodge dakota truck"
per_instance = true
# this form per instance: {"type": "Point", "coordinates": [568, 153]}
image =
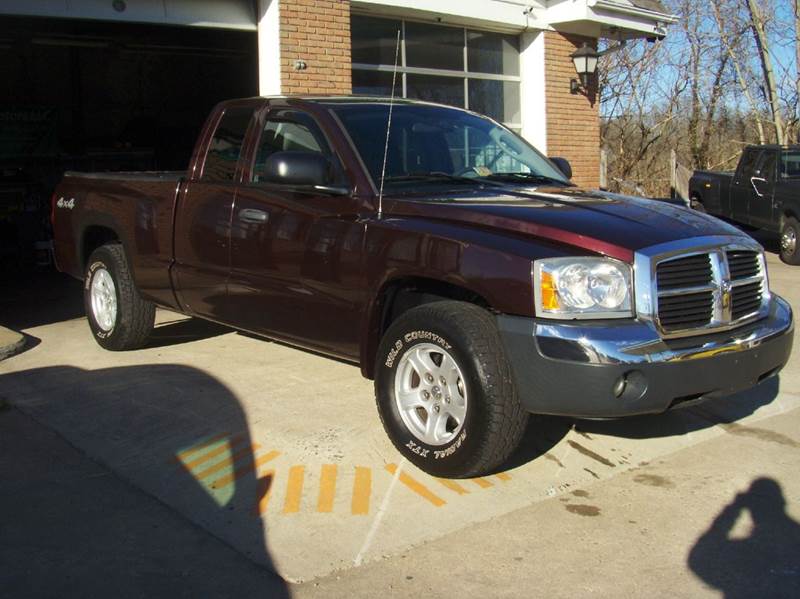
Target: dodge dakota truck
{"type": "Point", "coordinates": [764, 193]}
{"type": "Point", "coordinates": [455, 264]}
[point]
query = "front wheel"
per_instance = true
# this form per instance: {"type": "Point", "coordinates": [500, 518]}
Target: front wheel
{"type": "Point", "coordinates": [445, 392]}
{"type": "Point", "coordinates": [790, 247]}
{"type": "Point", "coordinates": [118, 317]}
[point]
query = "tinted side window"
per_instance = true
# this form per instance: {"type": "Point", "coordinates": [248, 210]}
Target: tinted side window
{"type": "Point", "coordinates": [748, 164]}
{"type": "Point", "coordinates": [766, 169]}
{"type": "Point", "coordinates": [226, 145]}
{"type": "Point", "coordinates": [790, 164]}
{"type": "Point", "coordinates": [288, 132]}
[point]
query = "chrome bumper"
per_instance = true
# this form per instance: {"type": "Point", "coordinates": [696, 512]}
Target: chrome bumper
{"type": "Point", "coordinates": [639, 343]}
{"type": "Point", "coordinates": [618, 368]}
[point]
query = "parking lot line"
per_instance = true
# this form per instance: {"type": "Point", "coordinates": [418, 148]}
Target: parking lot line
{"type": "Point", "coordinates": [453, 486]}
{"type": "Point", "coordinates": [184, 455]}
{"type": "Point", "coordinates": [416, 486]}
{"type": "Point", "coordinates": [362, 489]}
{"type": "Point", "coordinates": [294, 490]}
{"type": "Point", "coordinates": [503, 476]}
{"type": "Point", "coordinates": [243, 469]}
{"type": "Point", "coordinates": [227, 462]}
{"type": "Point", "coordinates": [268, 479]}
{"type": "Point", "coordinates": [327, 488]}
{"type": "Point", "coordinates": [482, 483]}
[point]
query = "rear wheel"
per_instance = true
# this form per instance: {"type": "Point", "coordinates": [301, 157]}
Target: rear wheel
{"type": "Point", "coordinates": [445, 391]}
{"type": "Point", "coordinates": [790, 244]}
{"type": "Point", "coordinates": [118, 317]}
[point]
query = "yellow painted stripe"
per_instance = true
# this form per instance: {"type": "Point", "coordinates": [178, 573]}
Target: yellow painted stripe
{"type": "Point", "coordinates": [243, 469]}
{"type": "Point", "coordinates": [417, 486]}
{"type": "Point", "coordinates": [203, 458]}
{"type": "Point", "coordinates": [482, 483]}
{"type": "Point", "coordinates": [183, 455]}
{"type": "Point", "coordinates": [227, 462]}
{"type": "Point", "coordinates": [503, 476]}
{"type": "Point", "coordinates": [294, 490]}
{"type": "Point", "coordinates": [362, 489]}
{"type": "Point", "coordinates": [268, 480]}
{"type": "Point", "coordinates": [452, 485]}
{"type": "Point", "coordinates": [327, 488]}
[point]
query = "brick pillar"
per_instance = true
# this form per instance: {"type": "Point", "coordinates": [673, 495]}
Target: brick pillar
{"type": "Point", "coordinates": [316, 32]}
{"type": "Point", "coordinates": [573, 120]}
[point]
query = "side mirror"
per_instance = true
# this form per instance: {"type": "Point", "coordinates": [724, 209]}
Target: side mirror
{"type": "Point", "coordinates": [296, 168]}
{"type": "Point", "coordinates": [563, 165]}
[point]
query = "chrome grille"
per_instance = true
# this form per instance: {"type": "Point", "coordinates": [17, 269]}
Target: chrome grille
{"type": "Point", "coordinates": [686, 292]}
{"type": "Point", "coordinates": [709, 290]}
{"type": "Point", "coordinates": [743, 265]}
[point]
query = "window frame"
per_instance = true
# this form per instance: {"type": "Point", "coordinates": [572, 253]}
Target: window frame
{"type": "Point", "coordinates": [403, 69]}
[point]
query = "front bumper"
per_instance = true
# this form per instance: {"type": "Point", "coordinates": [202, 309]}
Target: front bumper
{"type": "Point", "coordinates": [620, 368]}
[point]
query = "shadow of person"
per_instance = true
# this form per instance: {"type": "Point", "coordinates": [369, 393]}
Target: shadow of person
{"type": "Point", "coordinates": [764, 564]}
{"type": "Point", "coordinates": [175, 436]}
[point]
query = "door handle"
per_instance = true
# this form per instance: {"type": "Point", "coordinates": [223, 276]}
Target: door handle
{"type": "Point", "coordinates": [251, 215]}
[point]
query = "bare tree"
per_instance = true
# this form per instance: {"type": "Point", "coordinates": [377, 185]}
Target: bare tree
{"type": "Point", "coordinates": [765, 56]}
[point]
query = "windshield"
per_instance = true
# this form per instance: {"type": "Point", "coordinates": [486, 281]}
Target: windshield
{"type": "Point", "coordinates": [440, 145]}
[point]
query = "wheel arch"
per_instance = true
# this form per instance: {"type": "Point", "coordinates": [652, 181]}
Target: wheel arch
{"type": "Point", "coordinates": [93, 237]}
{"type": "Point", "coordinates": [400, 295]}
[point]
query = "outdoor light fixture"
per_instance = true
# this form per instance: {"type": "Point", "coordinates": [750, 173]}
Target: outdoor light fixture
{"type": "Point", "coordinates": [585, 61]}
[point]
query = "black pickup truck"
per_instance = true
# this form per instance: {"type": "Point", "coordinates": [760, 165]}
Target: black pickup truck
{"type": "Point", "coordinates": [763, 192]}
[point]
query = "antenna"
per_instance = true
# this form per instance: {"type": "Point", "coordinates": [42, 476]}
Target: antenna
{"type": "Point", "coordinates": [388, 126]}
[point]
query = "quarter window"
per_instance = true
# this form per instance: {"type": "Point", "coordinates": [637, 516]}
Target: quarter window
{"type": "Point", "coordinates": [470, 69]}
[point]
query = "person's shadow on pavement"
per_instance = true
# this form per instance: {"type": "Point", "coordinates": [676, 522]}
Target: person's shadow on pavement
{"type": "Point", "coordinates": [764, 564]}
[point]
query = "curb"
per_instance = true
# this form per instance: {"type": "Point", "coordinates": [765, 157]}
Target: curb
{"type": "Point", "coordinates": [11, 343]}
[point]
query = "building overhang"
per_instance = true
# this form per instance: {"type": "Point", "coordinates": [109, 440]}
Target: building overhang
{"type": "Point", "coordinates": [227, 14]}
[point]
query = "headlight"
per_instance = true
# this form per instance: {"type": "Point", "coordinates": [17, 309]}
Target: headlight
{"type": "Point", "coordinates": [568, 288]}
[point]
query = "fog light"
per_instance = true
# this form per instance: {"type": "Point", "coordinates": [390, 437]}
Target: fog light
{"type": "Point", "coordinates": [619, 386]}
{"type": "Point", "coordinates": [630, 386]}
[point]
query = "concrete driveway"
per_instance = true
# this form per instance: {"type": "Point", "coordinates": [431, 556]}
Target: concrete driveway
{"type": "Point", "coordinates": [279, 454]}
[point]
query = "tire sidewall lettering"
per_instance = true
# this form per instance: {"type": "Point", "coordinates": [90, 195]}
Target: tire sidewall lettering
{"type": "Point", "coordinates": [416, 449]}
{"type": "Point", "coordinates": [93, 268]}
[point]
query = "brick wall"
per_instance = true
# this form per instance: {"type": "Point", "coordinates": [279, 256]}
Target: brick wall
{"type": "Point", "coordinates": [318, 33]}
{"type": "Point", "coordinates": [573, 121]}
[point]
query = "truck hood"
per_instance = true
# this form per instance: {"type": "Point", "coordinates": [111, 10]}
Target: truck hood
{"type": "Point", "coordinates": [600, 222]}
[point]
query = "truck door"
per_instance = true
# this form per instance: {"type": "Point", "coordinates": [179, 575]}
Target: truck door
{"type": "Point", "coordinates": [762, 189]}
{"type": "Point", "coordinates": [203, 219]}
{"type": "Point", "coordinates": [296, 255]}
{"type": "Point", "coordinates": [742, 187]}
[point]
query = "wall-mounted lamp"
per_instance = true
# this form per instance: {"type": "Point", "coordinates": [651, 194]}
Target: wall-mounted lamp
{"type": "Point", "coordinates": [300, 65]}
{"type": "Point", "coordinates": [585, 61]}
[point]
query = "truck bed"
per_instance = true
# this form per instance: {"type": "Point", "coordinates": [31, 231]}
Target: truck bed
{"type": "Point", "coordinates": [137, 206]}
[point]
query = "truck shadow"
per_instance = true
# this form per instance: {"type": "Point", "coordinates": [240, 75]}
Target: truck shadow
{"type": "Point", "coordinates": [185, 331]}
{"type": "Point", "coordinates": [681, 421]}
{"type": "Point", "coordinates": [761, 563]}
{"type": "Point", "coordinates": [173, 432]}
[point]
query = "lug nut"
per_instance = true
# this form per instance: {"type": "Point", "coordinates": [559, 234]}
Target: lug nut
{"type": "Point", "coordinates": [442, 380]}
{"type": "Point", "coordinates": [436, 409]}
{"type": "Point", "coordinates": [429, 377]}
{"type": "Point", "coordinates": [447, 399]}
{"type": "Point", "coordinates": [426, 396]}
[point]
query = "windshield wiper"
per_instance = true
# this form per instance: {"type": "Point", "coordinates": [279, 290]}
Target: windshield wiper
{"type": "Point", "coordinates": [526, 177]}
{"type": "Point", "coordinates": [438, 176]}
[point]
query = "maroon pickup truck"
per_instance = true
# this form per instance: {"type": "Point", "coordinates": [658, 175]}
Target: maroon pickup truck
{"type": "Point", "coordinates": [455, 264]}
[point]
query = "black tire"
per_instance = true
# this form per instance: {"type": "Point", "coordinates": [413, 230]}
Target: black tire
{"type": "Point", "coordinates": [135, 317]}
{"type": "Point", "coordinates": [790, 241]}
{"type": "Point", "coordinates": [494, 420]}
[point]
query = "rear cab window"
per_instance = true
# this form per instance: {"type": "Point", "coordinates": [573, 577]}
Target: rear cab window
{"type": "Point", "coordinates": [225, 147]}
